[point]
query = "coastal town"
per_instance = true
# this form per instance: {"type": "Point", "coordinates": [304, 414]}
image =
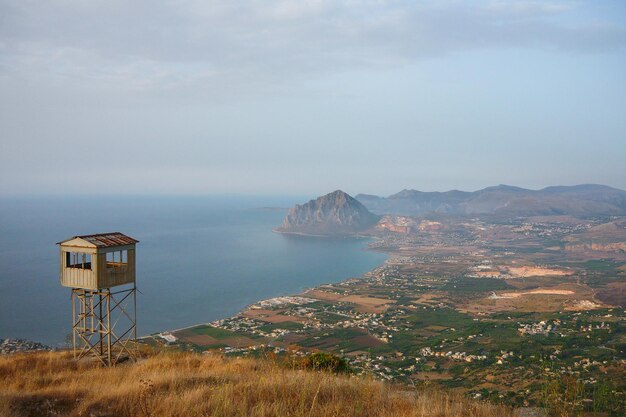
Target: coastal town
{"type": "Point", "coordinates": [8, 346]}
{"type": "Point", "coordinates": [495, 309]}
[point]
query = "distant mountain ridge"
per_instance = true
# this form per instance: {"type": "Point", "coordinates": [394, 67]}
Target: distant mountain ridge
{"type": "Point", "coordinates": [577, 200]}
{"type": "Point", "coordinates": [333, 214]}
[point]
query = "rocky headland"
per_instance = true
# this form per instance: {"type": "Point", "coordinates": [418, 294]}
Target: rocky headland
{"type": "Point", "coordinates": [334, 214]}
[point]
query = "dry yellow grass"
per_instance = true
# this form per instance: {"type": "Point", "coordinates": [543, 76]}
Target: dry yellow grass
{"type": "Point", "coordinates": [185, 384]}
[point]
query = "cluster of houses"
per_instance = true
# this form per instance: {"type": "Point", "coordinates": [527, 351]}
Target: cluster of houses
{"type": "Point", "coordinates": [541, 328]}
{"type": "Point", "coordinates": [19, 345]}
{"type": "Point", "coordinates": [549, 229]}
{"type": "Point", "coordinates": [590, 327]}
{"type": "Point", "coordinates": [503, 356]}
{"type": "Point", "coordinates": [281, 301]}
{"type": "Point", "coordinates": [457, 356]}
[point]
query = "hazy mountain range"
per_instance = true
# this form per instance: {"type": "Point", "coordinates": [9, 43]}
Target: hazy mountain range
{"type": "Point", "coordinates": [578, 200]}
{"type": "Point", "coordinates": [338, 213]}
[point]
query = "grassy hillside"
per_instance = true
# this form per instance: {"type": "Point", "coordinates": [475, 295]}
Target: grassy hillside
{"type": "Point", "coordinates": [185, 384]}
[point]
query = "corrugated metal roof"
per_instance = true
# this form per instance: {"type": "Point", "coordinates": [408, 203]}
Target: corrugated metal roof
{"type": "Point", "coordinates": [105, 240]}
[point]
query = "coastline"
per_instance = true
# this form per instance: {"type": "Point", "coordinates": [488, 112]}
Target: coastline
{"type": "Point", "coordinates": [301, 293]}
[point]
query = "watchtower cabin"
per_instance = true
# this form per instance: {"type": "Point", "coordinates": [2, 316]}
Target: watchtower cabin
{"type": "Point", "coordinates": [98, 261]}
{"type": "Point", "coordinates": [100, 270]}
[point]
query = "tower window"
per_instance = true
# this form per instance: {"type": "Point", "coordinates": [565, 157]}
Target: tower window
{"type": "Point", "coordinates": [78, 260]}
{"type": "Point", "coordinates": [117, 258]}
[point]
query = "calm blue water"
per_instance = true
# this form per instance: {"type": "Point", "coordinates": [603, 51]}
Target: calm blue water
{"type": "Point", "coordinates": [199, 259]}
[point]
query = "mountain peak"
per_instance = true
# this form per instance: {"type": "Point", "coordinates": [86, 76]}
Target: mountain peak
{"type": "Point", "coordinates": [336, 213]}
{"type": "Point", "coordinates": [406, 193]}
{"type": "Point", "coordinates": [504, 187]}
{"type": "Point", "coordinates": [339, 193]}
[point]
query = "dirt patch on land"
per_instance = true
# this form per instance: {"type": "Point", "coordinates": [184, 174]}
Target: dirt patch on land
{"type": "Point", "coordinates": [538, 291]}
{"type": "Point", "coordinates": [430, 298]}
{"type": "Point", "coordinates": [490, 273]}
{"type": "Point", "coordinates": [435, 328]}
{"type": "Point", "coordinates": [271, 316]}
{"type": "Point", "coordinates": [582, 305]}
{"type": "Point", "coordinates": [367, 341]}
{"type": "Point", "coordinates": [323, 295]}
{"type": "Point", "coordinates": [558, 298]}
{"type": "Point", "coordinates": [535, 271]}
{"type": "Point", "coordinates": [240, 341]}
{"type": "Point", "coordinates": [363, 304]}
{"type": "Point", "coordinates": [368, 304]}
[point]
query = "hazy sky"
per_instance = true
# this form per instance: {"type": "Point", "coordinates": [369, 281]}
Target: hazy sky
{"type": "Point", "coordinates": [304, 97]}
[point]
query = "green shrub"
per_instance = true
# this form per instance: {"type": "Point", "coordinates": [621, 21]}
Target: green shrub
{"type": "Point", "coordinates": [326, 362]}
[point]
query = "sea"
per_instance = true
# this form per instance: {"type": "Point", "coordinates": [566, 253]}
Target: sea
{"type": "Point", "coordinates": [199, 258]}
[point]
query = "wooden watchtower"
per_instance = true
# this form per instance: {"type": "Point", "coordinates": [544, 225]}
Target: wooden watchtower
{"type": "Point", "coordinates": [100, 270]}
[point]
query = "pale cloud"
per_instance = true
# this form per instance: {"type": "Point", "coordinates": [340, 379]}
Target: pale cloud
{"type": "Point", "coordinates": [203, 44]}
{"type": "Point", "coordinates": [309, 96]}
